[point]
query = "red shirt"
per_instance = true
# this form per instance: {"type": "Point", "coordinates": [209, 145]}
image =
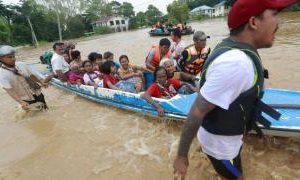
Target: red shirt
{"type": "Point", "coordinates": [155, 91]}
{"type": "Point", "coordinates": [111, 78]}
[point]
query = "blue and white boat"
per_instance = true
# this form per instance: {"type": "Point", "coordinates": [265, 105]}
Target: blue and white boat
{"type": "Point", "coordinates": [286, 102]}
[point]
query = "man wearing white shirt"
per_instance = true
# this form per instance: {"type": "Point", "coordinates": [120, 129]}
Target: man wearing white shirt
{"type": "Point", "coordinates": [59, 66]}
{"type": "Point", "coordinates": [231, 89]}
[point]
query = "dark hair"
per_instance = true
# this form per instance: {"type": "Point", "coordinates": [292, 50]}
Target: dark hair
{"type": "Point", "coordinates": [93, 56]}
{"type": "Point", "coordinates": [158, 69]}
{"type": "Point", "coordinates": [123, 56]}
{"type": "Point", "coordinates": [105, 67]}
{"type": "Point", "coordinates": [86, 61]}
{"type": "Point", "coordinates": [165, 42]}
{"type": "Point", "coordinates": [57, 44]}
{"type": "Point", "coordinates": [176, 32]}
{"type": "Point", "coordinates": [107, 54]}
{"type": "Point", "coordinates": [75, 54]}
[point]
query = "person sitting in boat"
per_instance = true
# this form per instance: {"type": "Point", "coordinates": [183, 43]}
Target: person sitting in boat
{"type": "Point", "coordinates": [189, 83]}
{"type": "Point", "coordinates": [19, 81]}
{"type": "Point", "coordinates": [109, 56]}
{"type": "Point", "coordinates": [76, 58]}
{"type": "Point", "coordinates": [131, 73]}
{"type": "Point", "coordinates": [194, 56]}
{"type": "Point", "coordinates": [157, 53]}
{"type": "Point", "coordinates": [111, 81]}
{"type": "Point", "coordinates": [91, 77]}
{"type": "Point", "coordinates": [75, 76]}
{"type": "Point", "coordinates": [96, 59]}
{"type": "Point", "coordinates": [68, 48]}
{"type": "Point", "coordinates": [180, 26]}
{"type": "Point", "coordinates": [66, 57]}
{"type": "Point", "coordinates": [59, 66]}
{"type": "Point", "coordinates": [162, 87]}
{"type": "Point", "coordinates": [178, 45]}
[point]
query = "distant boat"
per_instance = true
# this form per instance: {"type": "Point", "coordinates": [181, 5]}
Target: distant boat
{"type": "Point", "coordinates": [284, 101]}
{"type": "Point", "coordinates": [168, 33]}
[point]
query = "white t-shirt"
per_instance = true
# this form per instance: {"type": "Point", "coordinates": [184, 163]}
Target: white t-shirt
{"type": "Point", "coordinates": [9, 80]}
{"type": "Point", "coordinates": [91, 77]}
{"type": "Point", "coordinates": [177, 49]}
{"type": "Point", "coordinates": [58, 63]}
{"type": "Point", "coordinates": [229, 75]}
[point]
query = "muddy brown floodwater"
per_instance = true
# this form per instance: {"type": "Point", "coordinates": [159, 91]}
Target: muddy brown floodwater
{"type": "Point", "coordinates": [80, 139]}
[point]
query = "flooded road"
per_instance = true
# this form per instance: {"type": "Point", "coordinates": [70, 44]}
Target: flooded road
{"type": "Point", "coordinates": [80, 139]}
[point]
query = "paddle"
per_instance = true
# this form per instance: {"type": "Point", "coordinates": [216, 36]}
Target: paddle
{"type": "Point", "coordinates": [285, 106]}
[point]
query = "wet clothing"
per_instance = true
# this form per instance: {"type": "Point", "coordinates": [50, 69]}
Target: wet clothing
{"type": "Point", "coordinates": [230, 169]}
{"type": "Point", "coordinates": [178, 48]}
{"type": "Point", "coordinates": [18, 80]}
{"type": "Point", "coordinates": [158, 91]}
{"type": "Point", "coordinates": [192, 61]}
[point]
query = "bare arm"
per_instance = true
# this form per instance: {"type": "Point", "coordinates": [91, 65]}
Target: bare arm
{"type": "Point", "coordinates": [149, 99]}
{"type": "Point", "coordinates": [186, 77]}
{"type": "Point", "coordinates": [199, 109]}
{"type": "Point", "coordinates": [61, 75]}
{"type": "Point", "coordinates": [149, 66]}
{"type": "Point", "coordinates": [127, 76]}
{"type": "Point", "coordinates": [34, 78]}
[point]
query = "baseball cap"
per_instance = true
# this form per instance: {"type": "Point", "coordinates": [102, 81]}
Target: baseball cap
{"type": "Point", "coordinates": [200, 36]}
{"type": "Point", "coordinates": [243, 10]}
{"type": "Point", "coordinates": [5, 50]}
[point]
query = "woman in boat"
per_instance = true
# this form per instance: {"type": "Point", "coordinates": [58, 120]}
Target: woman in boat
{"type": "Point", "coordinates": [109, 56]}
{"type": "Point", "coordinates": [161, 88]}
{"type": "Point", "coordinates": [76, 58]}
{"type": "Point", "coordinates": [131, 73]}
{"type": "Point", "coordinates": [91, 77]}
{"type": "Point", "coordinates": [112, 81]}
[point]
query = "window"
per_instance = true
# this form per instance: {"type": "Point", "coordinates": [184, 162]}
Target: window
{"type": "Point", "coordinates": [117, 22]}
{"type": "Point", "coordinates": [111, 23]}
{"type": "Point", "coordinates": [123, 22]}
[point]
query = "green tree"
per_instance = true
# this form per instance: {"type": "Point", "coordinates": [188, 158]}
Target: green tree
{"type": "Point", "coordinates": [178, 12]}
{"type": "Point", "coordinates": [126, 10]}
{"type": "Point", "coordinates": [74, 27]}
{"type": "Point", "coordinates": [152, 14]}
{"type": "Point", "coordinates": [5, 33]}
{"type": "Point", "coordinates": [140, 19]}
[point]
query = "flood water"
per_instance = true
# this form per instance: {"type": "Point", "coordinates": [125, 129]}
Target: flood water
{"type": "Point", "coordinates": [79, 139]}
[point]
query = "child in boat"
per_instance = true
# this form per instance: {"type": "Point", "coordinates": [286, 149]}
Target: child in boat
{"type": "Point", "coordinates": [96, 60]}
{"type": "Point", "coordinates": [131, 73]}
{"type": "Point", "coordinates": [91, 77]}
{"type": "Point", "coordinates": [110, 80]}
{"type": "Point", "coordinates": [75, 76]}
{"type": "Point", "coordinates": [76, 58]}
{"type": "Point", "coordinates": [162, 87]}
{"type": "Point", "coordinates": [109, 56]}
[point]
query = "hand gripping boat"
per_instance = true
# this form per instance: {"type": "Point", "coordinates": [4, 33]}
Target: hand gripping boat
{"type": "Point", "coordinates": [284, 101]}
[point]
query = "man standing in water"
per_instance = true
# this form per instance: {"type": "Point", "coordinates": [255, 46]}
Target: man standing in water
{"type": "Point", "coordinates": [18, 80]}
{"type": "Point", "coordinates": [232, 81]}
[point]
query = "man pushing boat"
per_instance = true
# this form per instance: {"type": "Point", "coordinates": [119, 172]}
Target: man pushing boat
{"type": "Point", "coordinates": [229, 103]}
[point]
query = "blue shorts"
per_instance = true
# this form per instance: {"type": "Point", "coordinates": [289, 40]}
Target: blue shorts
{"type": "Point", "coordinates": [230, 169]}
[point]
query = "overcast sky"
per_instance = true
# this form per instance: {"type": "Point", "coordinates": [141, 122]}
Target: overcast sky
{"type": "Point", "coordinates": [139, 5]}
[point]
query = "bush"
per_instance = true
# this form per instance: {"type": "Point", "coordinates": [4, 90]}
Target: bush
{"type": "Point", "coordinates": [103, 30]}
{"type": "Point", "coordinates": [198, 17]}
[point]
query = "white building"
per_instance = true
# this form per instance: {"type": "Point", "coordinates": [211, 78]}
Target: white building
{"type": "Point", "coordinates": [116, 22]}
{"type": "Point", "coordinates": [205, 10]}
{"type": "Point", "coordinates": [221, 9]}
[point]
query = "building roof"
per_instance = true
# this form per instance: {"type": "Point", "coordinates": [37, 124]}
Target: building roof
{"type": "Point", "coordinates": [220, 4]}
{"type": "Point", "coordinates": [201, 8]}
{"type": "Point", "coordinates": [105, 19]}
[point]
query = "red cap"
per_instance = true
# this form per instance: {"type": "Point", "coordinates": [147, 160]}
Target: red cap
{"type": "Point", "coordinates": [243, 10]}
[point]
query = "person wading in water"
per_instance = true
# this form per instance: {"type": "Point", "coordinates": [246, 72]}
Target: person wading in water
{"type": "Point", "coordinates": [231, 88]}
